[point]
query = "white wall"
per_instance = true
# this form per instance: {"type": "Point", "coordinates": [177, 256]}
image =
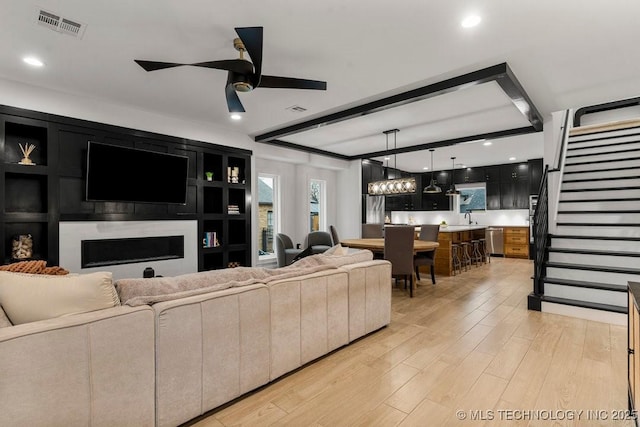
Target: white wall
{"type": "Point", "coordinates": [296, 169]}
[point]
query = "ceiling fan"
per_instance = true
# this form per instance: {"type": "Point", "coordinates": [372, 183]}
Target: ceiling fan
{"type": "Point", "coordinates": [243, 76]}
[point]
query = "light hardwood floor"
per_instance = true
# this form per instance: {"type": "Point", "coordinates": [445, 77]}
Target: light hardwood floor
{"type": "Point", "coordinates": [466, 344]}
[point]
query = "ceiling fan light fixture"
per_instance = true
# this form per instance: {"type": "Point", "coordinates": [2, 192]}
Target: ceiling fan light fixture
{"type": "Point", "coordinates": [432, 188]}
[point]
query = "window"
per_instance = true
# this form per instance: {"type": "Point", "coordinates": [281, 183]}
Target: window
{"type": "Point", "coordinates": [268, 224]}
{"type": "Point", "coordinates": [317, 205]}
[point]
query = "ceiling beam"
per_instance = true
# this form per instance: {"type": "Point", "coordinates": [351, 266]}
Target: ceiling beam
{"type": "Point", "coordinates": [447, 142]}
{"type": "Point", "coordinates": [500, 73]}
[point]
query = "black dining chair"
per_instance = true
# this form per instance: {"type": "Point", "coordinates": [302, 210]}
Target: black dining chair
{"type": "Point", "coordinates": [398, 249]}
{"type": "Point", "coordinates": [429, 233]}
{"type": "Point", "coordinates": [372, 231]}
{"type": "Point", "coordinates": [334, 235]}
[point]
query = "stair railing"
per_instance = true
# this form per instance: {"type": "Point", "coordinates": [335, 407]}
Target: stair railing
{"type": "Point", "coordinates": [541, 235]}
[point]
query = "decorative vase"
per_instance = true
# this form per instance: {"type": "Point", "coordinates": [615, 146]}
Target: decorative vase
{"type": "Point", "coordinates": [21, 247]}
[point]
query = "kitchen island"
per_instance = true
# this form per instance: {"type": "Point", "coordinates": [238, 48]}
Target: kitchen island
{"type": "Point", "coordinates": [454, 234]}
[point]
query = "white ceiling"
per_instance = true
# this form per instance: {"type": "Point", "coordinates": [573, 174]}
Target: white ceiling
{"type": "Point", "coordinates": [566, 54]}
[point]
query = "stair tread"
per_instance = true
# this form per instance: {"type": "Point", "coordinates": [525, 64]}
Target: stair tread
{"type": "Point", "coordinates": [602, 170]}
{"type": "Point", "coordinates": [609, 178]}
{"type": "Point", "coordinates": [603, 128]}
{"type": "Point", "coordinates": [624, 270]}
{"type": "Point", "coordinates": [614, 144]}
{"type": "Point", "coordinates": [600, 212]}
{"type": "Point", "coordinates": [599, 224]}
{"type": "Point", "coordinates": [593, 252]}
{"type": "Point", "coordinates": [590, 162]}
{"type": "Point", "coordinates": [603, 153]}
{"type": "Point", "coordinates": [574, 236]}
{"type": "Point", "coordinates": [630, 199]}
{"type": "Point", "coordinates": [584, 284]}
{"type": "Point", "coordinates": [585, 304]}
{"type": "Point", "coordinates": [575, 190]}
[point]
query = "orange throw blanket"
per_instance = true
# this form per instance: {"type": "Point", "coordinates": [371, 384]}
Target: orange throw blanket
{"type": "Point", "coordinates": [34, 267]}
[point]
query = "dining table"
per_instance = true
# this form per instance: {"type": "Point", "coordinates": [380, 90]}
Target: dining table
{"type": "Point", "coordinates": [377, 245]}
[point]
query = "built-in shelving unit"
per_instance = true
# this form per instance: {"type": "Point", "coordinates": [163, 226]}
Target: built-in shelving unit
{"type": "Point", "coordinates": [37, 197]}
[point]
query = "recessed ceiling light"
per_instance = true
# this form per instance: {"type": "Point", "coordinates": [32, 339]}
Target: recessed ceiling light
{"type": "Point", "coordinates": [470, 21]}
{"type": "Point", "coordinates": [487, 143]}
{"type": "Point", "coordinates": [236, 116]}
{"type": "Point", "coordinates": [426, 168]}
{"type": "Point", "coordinates": [33, 61]}
{"type": "Point", "coordinates": [387, 158]}
{"type": "Point", "coordinates": [512, 158]}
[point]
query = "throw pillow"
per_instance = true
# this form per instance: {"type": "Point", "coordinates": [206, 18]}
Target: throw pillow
{"type": "Point", "coordinates": [31, 297]}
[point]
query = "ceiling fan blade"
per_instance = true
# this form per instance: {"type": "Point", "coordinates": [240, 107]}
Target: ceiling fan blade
{"type": "Point", "coordinates": [252, 39]}
{"type": "Point", "coordinates": [233, 101]}
{"type": "Point", "coordinates": [155, 65]}
{"type": "Point", "coordinates": [236, 65]}
{"type": "Point", "coordinates": [291, 83]}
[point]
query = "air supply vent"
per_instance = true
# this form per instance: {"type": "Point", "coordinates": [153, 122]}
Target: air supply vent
{"type": "Point", "coordinates": [296, 109]}
{"type": "Point", "coordinates": [61, 24]}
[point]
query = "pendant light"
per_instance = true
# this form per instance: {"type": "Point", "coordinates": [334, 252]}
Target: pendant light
{"type": "Point", "coordinates": [452, 190]}
{"type": "Point", "coordinates": [388, 186]}
{"type": "Point", "coordinates": [432, 188]}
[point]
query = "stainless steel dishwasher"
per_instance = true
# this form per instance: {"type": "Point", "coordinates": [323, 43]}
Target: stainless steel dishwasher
{"type": "Point", "coordinates": [495, 242]}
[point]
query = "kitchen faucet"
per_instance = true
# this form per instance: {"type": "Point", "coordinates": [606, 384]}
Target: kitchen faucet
{"type": "Point", "coordinates": [465, 215]}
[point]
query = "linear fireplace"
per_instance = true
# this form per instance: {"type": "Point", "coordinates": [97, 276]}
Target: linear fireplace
{"type": "Point", "coordinates": [102, 252]}
{"type": "Point", "coordinates": [126, 248]}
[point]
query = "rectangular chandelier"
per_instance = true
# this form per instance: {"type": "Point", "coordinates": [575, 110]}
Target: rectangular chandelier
{"type": "Point", "coordinates": [392, 186]}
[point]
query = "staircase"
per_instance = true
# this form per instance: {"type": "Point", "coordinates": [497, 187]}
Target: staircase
{"type": "Point", "coordinates": [595, 250]}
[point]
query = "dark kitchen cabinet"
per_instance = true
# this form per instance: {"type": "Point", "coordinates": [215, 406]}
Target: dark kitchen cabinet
{"type": "Point", "coordinates": [492, 173]}
{"type": "Point", "coordinates": [436, 202]}
{"type": "Point", "coordinates": [468, 175]}
{"type": "Point", "coordinates": [535, 175]}
{"type": "Point", "coordinates": [514, 186]}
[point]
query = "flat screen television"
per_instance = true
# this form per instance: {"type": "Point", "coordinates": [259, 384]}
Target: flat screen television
{"type": "Point", "coordinates": [123, 174]}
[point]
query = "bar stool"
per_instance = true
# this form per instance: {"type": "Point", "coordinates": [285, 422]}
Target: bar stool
{"type": "Point", "coordinates": [466, 255]}
{"type": "Point", "coordinates": [455, 257]}
{"type": "Point", "coordinates": [476, 256]}
{"type": "Point", "coordinates": [483, 250]}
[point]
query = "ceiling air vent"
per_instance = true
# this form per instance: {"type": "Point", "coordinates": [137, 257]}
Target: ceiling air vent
{"type": "Point", "coordinates": [296, 109]}
{"type": "Point", "coordinates": [61, 24]}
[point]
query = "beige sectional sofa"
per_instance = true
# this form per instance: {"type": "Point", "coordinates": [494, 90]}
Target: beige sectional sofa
{"type": "Point", "coordinates": [168, 362]}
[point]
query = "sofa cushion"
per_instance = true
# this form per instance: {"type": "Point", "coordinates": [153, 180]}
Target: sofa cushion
{"type": "Point", "coordinates": [4, 320]}
{"type": "Point", "coordinates": [31, 297]}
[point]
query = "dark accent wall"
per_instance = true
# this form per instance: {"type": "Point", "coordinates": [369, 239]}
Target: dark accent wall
{"type": "Point", "coordinates": [37, 197]}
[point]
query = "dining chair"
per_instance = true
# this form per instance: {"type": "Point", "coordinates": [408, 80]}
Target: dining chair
{"type": "Point", "coordinates": [318, 241]}
{"type": "Point", "coordinates": [285, 252]}
{"type": "Point", "coordinates": [372, 231]}
{"type": "Point", "coordinates": [429, 233]}
{"type": "Point", "coordinates": [398, 249]}
{"type": "Point", "coordinates": [334, 235]}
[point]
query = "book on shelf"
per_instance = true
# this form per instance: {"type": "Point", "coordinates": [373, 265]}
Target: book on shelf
{"type": "Point", "coordinates": [210, 240]}
{"type": "Point", "coordinates": [234, 210]}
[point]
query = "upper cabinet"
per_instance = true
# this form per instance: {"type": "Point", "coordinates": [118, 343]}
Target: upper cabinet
{"type": "Point", "coordinates": [514, 186]}
{"type": "Point", "coordinates": [508, 185]}
{"type": "Point", "coordinates": [535, 175]}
